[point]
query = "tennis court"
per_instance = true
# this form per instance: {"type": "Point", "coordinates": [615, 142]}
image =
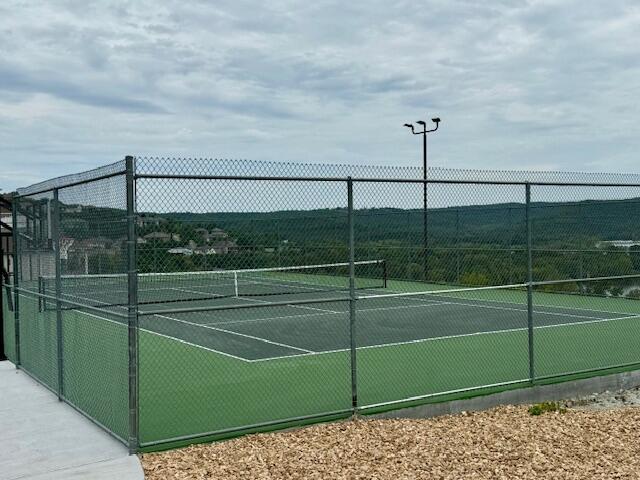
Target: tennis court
{"type": "Point", "coordinates": [213, 314]}
{"type": "Point", "coordinates": [178, 301]}
{"type": "Point", "coordinates": [266, 333]}
{"type": "Point", "coordinates": [223, 360]}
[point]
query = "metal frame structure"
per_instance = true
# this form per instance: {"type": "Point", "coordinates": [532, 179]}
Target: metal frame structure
{"type": "Point", "coordinates": [128, 170]}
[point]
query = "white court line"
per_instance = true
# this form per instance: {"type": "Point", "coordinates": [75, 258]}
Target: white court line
{"type": "Point", "coordinates": [124, 325]}
{"type": "Point", "coordinates": [230, 332]}
{"type": "Point", "coordinates": [435, 292]}
{"type": "Point", "coordinates": [208, 295]}
{"type": "Point", "coordinates": [444, 337]}
{"type": "Point", "coordinates": [433, 303]}
{"type": "Point", "coordinates": [401, 307]}
{"type": "Point", "coordinates": [314, 308]}
{"type": "Point", "coordinates": [325, 312]}
{"type": "Point", "coordinates": [284, 345]}
{"type": "Point", "coordinates": [309, 352]}
{"type": "Point", "coordinates": [292, 306]}
{"type": "Point", "coordinates": [260, 339]}
{"type": "Point", "coordinates": [493, 307]}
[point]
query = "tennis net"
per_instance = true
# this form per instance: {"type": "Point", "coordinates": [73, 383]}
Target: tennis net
{"type": "Point", "coordinates": [103, 290]}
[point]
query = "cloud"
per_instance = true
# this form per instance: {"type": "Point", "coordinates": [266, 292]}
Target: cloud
{"type": "Point", "coordinates": [517, 83]}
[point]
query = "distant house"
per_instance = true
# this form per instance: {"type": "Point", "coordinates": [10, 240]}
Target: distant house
{"type": "Point", "coordinates": [180, 251]}
{"type": "Point", "coordinates": [144, 221]}
{"type": "Point", "coordinates": [224, 247]}
{"type": "Point", "coordinates": [162, 237]}
{"type": "Point", "coordinates": [204, 251]}
{"type": "Point", "coordinates": [618, 243]}
{"type": "Point", "coordinates": [218, 234]}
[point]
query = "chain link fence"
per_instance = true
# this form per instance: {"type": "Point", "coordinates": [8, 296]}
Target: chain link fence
{"type": "Point", "coordinates": [171, 300]}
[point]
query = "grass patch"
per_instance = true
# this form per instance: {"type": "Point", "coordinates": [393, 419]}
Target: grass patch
{"type": "Point", "coordinates": [546, 407]}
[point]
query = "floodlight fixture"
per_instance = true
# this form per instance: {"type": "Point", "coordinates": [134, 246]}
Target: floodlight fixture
{"type": "Point", "coordinates": [424, 132]}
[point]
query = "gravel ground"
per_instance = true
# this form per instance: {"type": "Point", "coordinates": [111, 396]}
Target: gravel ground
{"type": "Point", "coordinates": [597, 438]}
{"type": "Point", "coordinates": [606, 401]}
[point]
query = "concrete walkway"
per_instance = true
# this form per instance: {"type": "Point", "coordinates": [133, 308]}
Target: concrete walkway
{"type": "Point", "coordinates": [42, 438]}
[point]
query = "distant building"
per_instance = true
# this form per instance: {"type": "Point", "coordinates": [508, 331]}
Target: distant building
{"type": "Point", "coordinates": [204, 251]}
{"type": "Point", "coordinates": [618, 243]}
{"type": "Point", "coordinates": [162, 237]}
{"type": "Point", "coordinates": [180, 251]}
{"type": "Point", "coordinates": [150, 221]}
{"type": "Point", "coordinates": [224, 247]}
{"type": "Point", "coordinates": [218, 234]}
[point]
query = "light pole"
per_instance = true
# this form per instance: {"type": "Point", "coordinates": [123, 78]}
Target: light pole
{"type": "Point", "coordinates": [424, 177]}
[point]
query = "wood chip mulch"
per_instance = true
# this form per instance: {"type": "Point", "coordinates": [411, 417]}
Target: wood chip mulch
{"type": "Point", "coordinates": [503, 443]}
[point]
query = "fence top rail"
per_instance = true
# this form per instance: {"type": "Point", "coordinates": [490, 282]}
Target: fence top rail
{"type": "Point", "coordinates": [168, 167]}
{"type": "Point", "coordinates": [382, 180]}
{"type": "Point", "coordinates": [106, 171]}
{"type": "Point", "coordinates": [232, 169]}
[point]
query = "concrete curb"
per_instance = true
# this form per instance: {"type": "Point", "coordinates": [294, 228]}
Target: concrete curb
{"type": "Point", "coordinates": [535, 394]}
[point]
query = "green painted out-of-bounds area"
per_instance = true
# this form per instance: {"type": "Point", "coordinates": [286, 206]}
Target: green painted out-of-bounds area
{"type": "Point", "coordinates": [188, 391]}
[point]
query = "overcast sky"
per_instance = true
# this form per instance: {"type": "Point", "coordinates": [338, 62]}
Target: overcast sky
{"type": "Point", "coordinates": [518, 84]}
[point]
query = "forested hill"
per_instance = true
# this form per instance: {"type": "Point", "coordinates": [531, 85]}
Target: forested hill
{"type": "Point", "coordinates": [552, 222]}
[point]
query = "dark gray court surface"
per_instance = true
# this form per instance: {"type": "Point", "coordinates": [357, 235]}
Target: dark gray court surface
{"type": "Point", "coordinates": [43, 438]}
{"type": "Point", "coordinates": [266, 333]}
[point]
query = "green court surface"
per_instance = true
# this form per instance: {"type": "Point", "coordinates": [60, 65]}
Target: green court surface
{"type": "Point", "coordinates": [203, 372]}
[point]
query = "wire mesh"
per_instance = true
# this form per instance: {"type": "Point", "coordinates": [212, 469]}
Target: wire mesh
{"type": "Point", "coordinates": [37, 329]}
{"type": "Point", "coordinates": [92, 239]}
{"type": "Point", "coordinates": [440, 342]}
{"type": "Point", "coordinates": [8, 325]}
{"type": "Point", "coordinates": [584, 325]}
{"type": "Point", "coordinates": [210, 371]}
{"type": "Point", "coordinates": [245, 316]}
{"type": "Point", "coordinates": [307, 281]}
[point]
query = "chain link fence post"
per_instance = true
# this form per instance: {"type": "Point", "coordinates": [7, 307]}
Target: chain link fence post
{"type": "Point", "coordinates": [16, 280]}
{"type": "Point", "coordinates": [581, 246]}
{"type": "Point", "coordinates": [132, 303]}
{"type": "Point", "coordinates": [457, 243]}
{"type": "Point", "coordinates": [55, 237]}
{"type": "Point", "coordinates": [352, 298]}
{"type": "Point", "coordinates": [529, 281]}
